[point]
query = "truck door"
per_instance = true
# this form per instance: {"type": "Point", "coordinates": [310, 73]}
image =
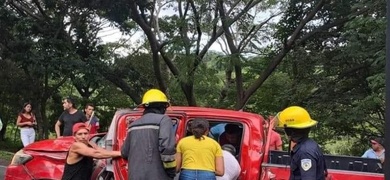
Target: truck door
{"type": "Point", "coordinates": [248, 147]}
{"type": "Point", "coordinates": [124, 122]}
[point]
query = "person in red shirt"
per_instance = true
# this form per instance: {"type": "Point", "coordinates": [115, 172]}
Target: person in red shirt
{"type": "Point", "coordinates": [275, 139]}
{"type": "Point", "coordinates": [92, 120]}
{"type": "Point", "coordinates": [26, 122]}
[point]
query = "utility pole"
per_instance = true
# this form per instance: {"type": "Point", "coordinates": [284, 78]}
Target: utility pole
{"type": "Point", "coordinates": [387, 115]}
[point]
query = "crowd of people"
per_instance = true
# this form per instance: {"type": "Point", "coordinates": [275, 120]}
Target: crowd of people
{"type": "Point", "coordinates": [205, 153]}
{"type": "Point", "coordinates": [26, 120]}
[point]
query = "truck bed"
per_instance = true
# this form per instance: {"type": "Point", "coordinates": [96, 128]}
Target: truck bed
{"type": "Point", "coordinates": [339, 167]}
{"type": "Point", "coordinates": [348, 163]}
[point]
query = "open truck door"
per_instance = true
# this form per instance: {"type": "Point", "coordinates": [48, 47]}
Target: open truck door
{"type": "Point", "coordinates": [123, 123]}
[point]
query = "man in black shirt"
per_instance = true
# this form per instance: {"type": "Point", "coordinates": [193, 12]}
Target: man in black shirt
{"type": "Point", "coordinates": [69, 117]}
{"type": "Point", "coordinates": [307, 160]}
{"type": "Point", "coordinates": [79, 160]}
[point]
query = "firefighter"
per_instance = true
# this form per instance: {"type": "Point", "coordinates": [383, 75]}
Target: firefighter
{"type": "Point", "coordinates": [150, 143]}
{"type": "Point", "coordinates": [307, 160]}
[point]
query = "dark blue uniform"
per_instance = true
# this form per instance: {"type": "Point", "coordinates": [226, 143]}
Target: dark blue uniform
{"type": "Point", "coordinates": [307, 161]}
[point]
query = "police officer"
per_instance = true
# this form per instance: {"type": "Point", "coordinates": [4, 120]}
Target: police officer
{"type": "Point", "coordinates": [307, 160]}
{"type": "Point", "coordinates": [150, 143]}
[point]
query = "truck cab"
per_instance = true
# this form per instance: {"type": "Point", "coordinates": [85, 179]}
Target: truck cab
{"type": "Point", "coordinates": [256, 161]}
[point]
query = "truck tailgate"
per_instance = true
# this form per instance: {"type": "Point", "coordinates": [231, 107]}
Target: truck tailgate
{"type": "Point", "coordinates": [282, 172]}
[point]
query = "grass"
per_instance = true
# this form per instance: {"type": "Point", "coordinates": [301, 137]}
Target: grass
{"type": "Point", "coordinates": [11, 144]}
{"type": "Point", "coordinates": [8, 149]}
{"type": "Point", "coordinates": [6, 156]}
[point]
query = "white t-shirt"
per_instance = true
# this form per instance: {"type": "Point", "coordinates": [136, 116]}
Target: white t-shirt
{"type": "Point", "coordinates": [232, 167]}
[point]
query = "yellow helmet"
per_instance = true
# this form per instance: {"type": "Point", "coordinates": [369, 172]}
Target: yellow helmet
{"type": "Point", "coordinates": [295, 117]}
{"type": "Point", "coordinates": [154, 96]}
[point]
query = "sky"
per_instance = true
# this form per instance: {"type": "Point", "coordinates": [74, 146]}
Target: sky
{"type": "Point", "coordinates": [113, 34]}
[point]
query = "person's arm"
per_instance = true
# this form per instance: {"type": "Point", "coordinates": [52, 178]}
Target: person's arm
{"type": "Point", "coordinates": [81, 148]}
{"type": "Point", "coordinates": [219, 166]}
{"type": "Point", "coordinates": [34, 119]}
{"type": "Point", "coordinates": [58, 124]}
{"type": "Point", "coordinates": [57, 128]}
{"type": "Point", "coordinates": [19, 123]}
{"type": "Point", "coordinates": [178, 156]}
{"type": "Point", "coordinates": [365, 155]}
{"type": "Point", "coordinates": [167, 141]}
{"type": "Point", "coordinates": [95, 146]}
{"type": "Point", "coordinates": [307, 166]}
{"type": "Point", "coordinates": [178, 162]}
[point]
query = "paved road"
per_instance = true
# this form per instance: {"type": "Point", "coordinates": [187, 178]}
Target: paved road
{"type": "Point", "coordinates": [2, 171]}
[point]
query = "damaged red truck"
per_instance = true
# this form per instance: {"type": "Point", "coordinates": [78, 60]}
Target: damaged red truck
{"type": "Point", "coordinates": [255, 160]}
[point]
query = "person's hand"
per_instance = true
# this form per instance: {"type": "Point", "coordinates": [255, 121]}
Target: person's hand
{"type": "Point", "coordinates": [29, 123]}
{"type": "Point", "coordinates": [171, 172]}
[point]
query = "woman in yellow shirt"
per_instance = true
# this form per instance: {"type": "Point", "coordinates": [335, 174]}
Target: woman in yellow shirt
{"type": "Point", "coordinates": [198, 156]}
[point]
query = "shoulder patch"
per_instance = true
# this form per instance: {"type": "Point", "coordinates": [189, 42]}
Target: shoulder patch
{"type": "Point", "coordinates": [306, 164]}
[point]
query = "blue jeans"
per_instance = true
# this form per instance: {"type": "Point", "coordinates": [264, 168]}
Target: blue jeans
{"type": "Point", "coordinates": [186, 174]}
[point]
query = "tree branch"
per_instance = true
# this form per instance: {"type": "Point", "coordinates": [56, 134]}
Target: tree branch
{"type": "Point", "coordinates": [154, 45]}
{"type": "Point", "coordinates": [220, 31]}
{"type": "Point", "coordinates": [26, 10]}
{"type": "Point", "coordinates": [245, 41]}
{"type": "Point", "coordinates": [169, 63]}
{"type": "Point", "coordinates": [279, 57]}
{"type": "Point", "coordinates": [234, 52]}
{"type": "Point", "coordinates": [38, 4]}
{"type": "Point", "coordinates": [183, 29]}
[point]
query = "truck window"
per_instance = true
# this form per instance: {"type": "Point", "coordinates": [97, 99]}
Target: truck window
{"type": "Point", "coordinates": [224, 132]}
{"type": "Point", "coordinates": [175, 122]}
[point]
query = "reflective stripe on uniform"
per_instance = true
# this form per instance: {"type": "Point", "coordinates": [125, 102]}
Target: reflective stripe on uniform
{"type": "Point", "coordinates": [171, 164]}
{"type": "Point", "coordinates": [144, 127]}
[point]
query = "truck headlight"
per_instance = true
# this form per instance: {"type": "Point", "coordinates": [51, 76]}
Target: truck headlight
{"type": "Point", "coordinates": [20, 158]}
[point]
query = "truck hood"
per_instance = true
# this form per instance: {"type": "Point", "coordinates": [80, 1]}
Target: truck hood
{"type": "Point", "coordinates": [51, 145]}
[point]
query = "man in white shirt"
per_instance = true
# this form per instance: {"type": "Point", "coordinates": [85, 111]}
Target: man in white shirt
{"type": "Point", "coordinates": [377, 150]}
{"type": "Point", "coordinates": [232, 167]}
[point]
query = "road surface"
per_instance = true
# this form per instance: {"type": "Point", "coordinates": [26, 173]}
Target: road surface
{"type": "Point", "coordinates": [2, 171]}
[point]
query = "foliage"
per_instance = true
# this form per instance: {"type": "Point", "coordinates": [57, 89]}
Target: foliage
{"type": "Point", "coordinates": [346, 146]}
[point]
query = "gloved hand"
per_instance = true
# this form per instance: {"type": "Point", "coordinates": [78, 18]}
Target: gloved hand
{"type": "Point", "coordinates": [170, 168]}
{"type": "Point", "coordinates": [171, 172]}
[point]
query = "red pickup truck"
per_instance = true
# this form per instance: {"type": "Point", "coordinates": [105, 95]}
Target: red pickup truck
{"type": "Point", "coordinates": [255, 159]}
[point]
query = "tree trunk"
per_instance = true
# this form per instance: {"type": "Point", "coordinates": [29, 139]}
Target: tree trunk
{"type": "Point", "coordinates": [45, 124]}
{"type": "Point", "coordinates": [38, 116]}
{"type": "Point", "coordinates": [188, 89]}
